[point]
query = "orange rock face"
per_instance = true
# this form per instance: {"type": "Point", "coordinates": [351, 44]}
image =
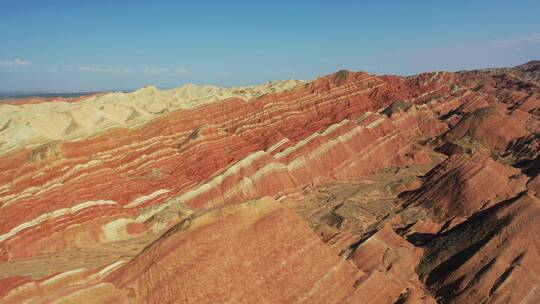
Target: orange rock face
{"type": "Point", "coordinates": [252, 252]}
{"type": "Point", "coordinates": [377, 189]}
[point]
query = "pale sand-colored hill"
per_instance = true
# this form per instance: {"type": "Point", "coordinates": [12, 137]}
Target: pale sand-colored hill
{"type": "Point", "coordinates": [34, 124]}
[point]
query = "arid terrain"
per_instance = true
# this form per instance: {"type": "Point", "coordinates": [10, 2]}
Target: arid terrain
{"type": "Point", "coordinates": [351, 188]}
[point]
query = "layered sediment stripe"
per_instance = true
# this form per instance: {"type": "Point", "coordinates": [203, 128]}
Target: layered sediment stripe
{"type": "Point", "coordinates": [53, 215]}
{"type": "Point", "coordinates": [141, 200]}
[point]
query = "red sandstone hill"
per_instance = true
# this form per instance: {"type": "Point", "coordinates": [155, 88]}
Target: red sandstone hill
{"type": "Point", "coordinates": [352, 188]}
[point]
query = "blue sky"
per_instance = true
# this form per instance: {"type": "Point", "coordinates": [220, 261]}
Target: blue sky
{"type": "Point", "coordinates": [61, 45]}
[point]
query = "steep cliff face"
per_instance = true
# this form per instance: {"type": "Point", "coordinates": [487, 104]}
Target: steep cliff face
{"type": "Point", "coordinates": [417, 189]}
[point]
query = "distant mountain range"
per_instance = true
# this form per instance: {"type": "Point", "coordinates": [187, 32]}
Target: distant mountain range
{"type": "Point", "coordinates": [46, 94]}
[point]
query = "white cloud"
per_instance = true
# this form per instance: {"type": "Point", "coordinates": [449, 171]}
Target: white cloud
{"type": "Point", "coordinates": [148, 70]}
{"type": "Point", "coordinates": [90, 69]}
{"type": "Point", "coordinates": [530, 39]}
{"type": "Point", "coordinates": [483, 54]}
{"type": "Point", "coordinates": [182, 71]}
{"type": "Point", "coordinates": [13, 63]}
{"type": "Point", "coordinates": [93, 69]}
{"type": "Point", "coordinates": [155, 70]}
{"type": "Point", "coordinates": [179, 71]}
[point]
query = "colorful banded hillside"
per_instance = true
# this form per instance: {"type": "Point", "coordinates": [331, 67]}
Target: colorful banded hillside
{"type": "Point", "coordinates": [351, 188]}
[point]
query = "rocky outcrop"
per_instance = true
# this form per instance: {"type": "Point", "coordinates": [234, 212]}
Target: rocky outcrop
{"type": "Point", "coordinates": [387, 259]}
